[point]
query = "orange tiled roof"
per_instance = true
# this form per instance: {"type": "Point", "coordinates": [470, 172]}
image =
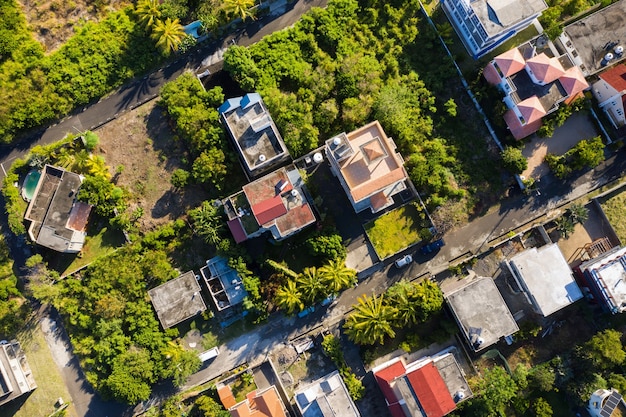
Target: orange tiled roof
{"type": "Point", "coordinates": [266, 404]}
{"type": "Point", "coordinates": [531, 109]}
{"type": "Point", "coordinates": [573, 81]}
{"type": "Point", "coordinates": [510, 62]}
{"type": "Point", "coordinates": [616, 77]}
{"type": "Point", "coordinates": [226, 397]}
{"type": "Point", "coordinates": [517, 130]}
{"type": "Point", "coordinates": [491, 74]}
{"type": "Point", "coordinates": [545, 69]}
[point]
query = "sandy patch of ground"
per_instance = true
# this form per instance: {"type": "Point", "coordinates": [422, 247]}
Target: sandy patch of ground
{"type": "Point", "coordinates": [53, 21]}
{"type": "Point", "coordinates": [578, 127]}
{"type": "Point", "coordinates": [140, 150]}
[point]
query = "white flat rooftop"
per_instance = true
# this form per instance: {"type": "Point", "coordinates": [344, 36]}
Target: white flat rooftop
{"type": "Point", "coordinates": [547, 278]}
{"type": "Point", "coordinates": [610, 270]}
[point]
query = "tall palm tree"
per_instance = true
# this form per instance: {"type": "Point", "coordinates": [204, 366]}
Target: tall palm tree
{"type": "Point", "coordinates": [168, 35]}
{"type": "Point", "coordinates": [289, 298]}
{"type": "Point", "coordinates": [310, 284]}
{"type": "Point", "coordinates": [400, 295]}
{"type": "Point", "coordinates": [371, 321]}
{"type": "Point", "coordinates": [337, 276]}
{"type": "Point", "coordinates": [148, 12]}
{"type": "Point", "coordinates": [239, 8]}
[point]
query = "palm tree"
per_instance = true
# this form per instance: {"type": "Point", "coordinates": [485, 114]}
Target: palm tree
{"type": "Point", "coordinates": [400, 295]}
{"type": "Point", "coordinates": [310, 284]}
{"type": "Point", "coordinates": [168, 35]}
{"type": "Point", "coordinates": [65, 158]}
{"type": "Point", "coordinates": [289, 298]}
{"type": "Point", "coordinates": [208, 222]}
{"type": "Point", "coordinates": [337, 276]}
{"type": "Point", "coordinates": [371, 321]}
{"type": "Point", "coordinates": [148, 12]}
{"type": "Point", "coordinates": [240, 8]}
{"type": "Point", "coordinates": [578, 213]}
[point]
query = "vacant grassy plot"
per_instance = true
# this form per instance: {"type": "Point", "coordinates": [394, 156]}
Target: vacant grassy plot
{"type": "Point", "coordinates": [50, 385]}
{"type": "Point", "coordinates": [613, 207]}
{"type": "Point", "coordinates": [396, 230]}
{"type": "Point", "coordinates": [103, 243]}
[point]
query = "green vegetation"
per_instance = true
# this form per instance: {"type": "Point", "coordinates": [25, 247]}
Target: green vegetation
{"type": "Point", "coordinates": [193, 111]}
{"type": "Point", "coordinates": [98, 245]}
{"type": "Point", "coordinates": [398, 229]}
{"type": "Point", "coordinates": [114, 330]}
{"type": "Point", "coordinates": [350, 63]}
{"type": "Point", "coordinates": [575, 214]}
{"type": "Point", "coordinates": [513, 160]}
{"type": "Point", "coordinates": [613, 207]}
{"type": "Point", "coordinates": [204, 405]}
{"type": "Point", "coordinates": [405, 303]}
{"type": "Point", "coordinates": [13, 307]}
{"type": "Point", "coordinates": [587, 153]}
{"type": "Point", "coordinates": [332, 349]}
{"type": "Point", "coordinates": [296, 291]}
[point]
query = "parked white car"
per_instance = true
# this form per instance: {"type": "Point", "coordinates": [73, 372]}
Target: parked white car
{"type": "Point", "coordinates": [404, 261]}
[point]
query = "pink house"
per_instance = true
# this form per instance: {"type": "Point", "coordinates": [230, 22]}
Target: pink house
{"type": "Point", "coordinates": [535, 84]}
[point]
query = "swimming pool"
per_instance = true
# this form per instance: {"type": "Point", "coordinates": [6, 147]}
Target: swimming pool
{"type": "Point", "coordinates": [30, 183]}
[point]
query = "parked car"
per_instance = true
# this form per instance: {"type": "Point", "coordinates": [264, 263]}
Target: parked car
{"type": "Point", "coordinates": [433, 246]}
{"type": "Point", "coordinates": [404, 261]}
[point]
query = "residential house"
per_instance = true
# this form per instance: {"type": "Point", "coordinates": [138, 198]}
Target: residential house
{"type": "Point", "coordinates": [535, 82]}
{"type": "Point", "coordinates": [605, 276]}
{"type": "Point", "coordinates": [276, 203]}
{"type": "Point", "coordinates": [430, 386]}
{"type": "Point", "coordinates": [482, 25]}
{"type": "Point", "coordinates": [326, 397]}
{"type": "Point", "coordinates": [177, 300]}
{"type": "Point", "coordinates": [481, 313]}
{"type": "Point", "coordinates": [610, 91]}
{"type": "Point", "coordinates": [368, 167]}
{"type": "Point", "coordinates": [58, 219]}
{"type": "Point", "coordinates": [606, 403]}
{"type": "Point", "coordinates": [595, 41]}
{"type": "Point", "coordinates": [254, 135]}
{"type": "Point", "coordinates": [259, 403]}
{"type": "Point", "coordinates": [16, 377]}
{"type": "Point", "coordinates": [223, 282]}
{"type": "Point", "coordinates": [547, 289]}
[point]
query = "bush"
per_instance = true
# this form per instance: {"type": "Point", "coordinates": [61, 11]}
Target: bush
{"type": "Point", "coordinates": [180, 178]}
{"type": "Point", "coordinates": [327, 245]}
{"type": "Point", "coordinates": [513, 160]}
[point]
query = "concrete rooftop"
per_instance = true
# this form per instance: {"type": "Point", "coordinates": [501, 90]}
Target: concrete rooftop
{"type": "Point", "coordinates": [546, 278]}
{"type": "Point", "coordinates": [327, 396]}
{"type": "Point", "coordinates": [498, 15]}
{"type": "Point", "coordinates": [481, 312]}
{"type": "Point", "coordinates": [591, 35]}
{"type": "Point", "coordinates": [177, 300]}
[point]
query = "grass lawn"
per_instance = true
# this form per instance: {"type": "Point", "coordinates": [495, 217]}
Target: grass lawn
{"type": "Point", "coordinates": [103, 242]}
{"type": "Point", "coordinates": [50, 385]}
{"type": "Point", "coordinates": [242, 386]}
{"type": "Point", "coordinates": [613, 207]}
{"type": "Point", "coordinates": [396, 230]}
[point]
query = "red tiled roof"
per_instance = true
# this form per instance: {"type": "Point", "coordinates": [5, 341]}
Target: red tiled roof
{"type": "Point", "coordinates": [545, 69]}
{"type": "Point", "coordinates": [378, 201]}
{"type": "Point", "coordinates": [236, 228]}
{"type": "Point", "coordinates": [269, 209]}
{"type": "Point", "coordinates": [573, 81]}
{"type": "Point", "coordinates": [517, 130]}
{"type": "Point", "coordinates": [431, 391]}
{"type": "Point", "coordinates": [531, 109]}
{"type": "Point", "coordinates": [510, 62]}
{"type": "Point", "coordinates": [491, 74]}
{"type": "Point", "coordinates": [385, 376]}
{"type": "Point", "coordinates": [226, 396]}
{"type": "Point", "coordinates": [616, 77]}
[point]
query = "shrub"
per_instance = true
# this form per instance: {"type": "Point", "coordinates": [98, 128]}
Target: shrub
{"type": "Point", "coordinates": [513, 160]}
{"type": "Point", "coordinates": [327, 245]}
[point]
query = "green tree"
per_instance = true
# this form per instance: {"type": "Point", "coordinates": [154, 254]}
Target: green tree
{"type": "Point", "coordinates": [289, 298]}
{"type": "Point", "coordinates": [148, 12]}
{"type": "Point", "coordinates": [371, 321]}
{"type": "Point", "coordinates": [168, 35]}
{"type": "Point", "coordinates": [327, 246]}
{"type": "Point", "coordinates": [238, 62]}
{"type": "Point", "coordinates": [587, 153]}
{"type": "Point", "coordinates": [564, 225]}
{"type": "Point", "coordinates": [450, 105]}
{"type": "Point", "coordinates": [542, 378]}
{"type": "Point", "coordinates": [210, 408]}
{"type": "Point", "coordinates": [209, 168]}
{"type": "Point", "coordinates": [578, 213]}
{"type": "Point", "coordinates": [497, 388]}
{"type": "Point", "coordinates": [239, 8]}
{"type": "Point", "coordinates": [541, 408]}
{"type": "Point", "coordinates": [513, 160]}
{"type": "Point", "coordinates": [605, 350]}
{"type": "Point", "coordinates": [337, 276]}
{"type": "Point", "coordinates": [310, 284]}
{"type": "Point", "coordinates": [208, 222]}
{"type": "Point", "coordinates": [101, 193]}
{"type": "Point", "coordinates": [90, 140]}
{"type": "Point", "coordinates": [400, 295]}
{"type": "Point", "coordinates": [180, 178]}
